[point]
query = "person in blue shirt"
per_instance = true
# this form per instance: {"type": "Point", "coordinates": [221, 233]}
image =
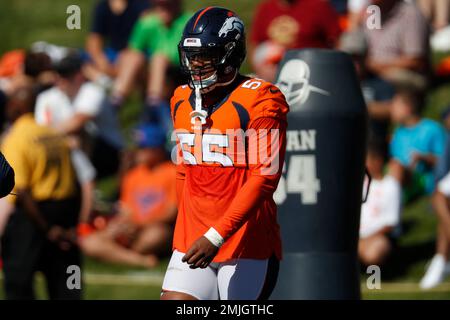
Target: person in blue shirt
{"type": "Point", "coordinates": [416, 145]}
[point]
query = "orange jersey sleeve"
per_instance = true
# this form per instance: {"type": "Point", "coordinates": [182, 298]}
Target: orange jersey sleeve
{"type": "Point", "coordinates": [264, 178]}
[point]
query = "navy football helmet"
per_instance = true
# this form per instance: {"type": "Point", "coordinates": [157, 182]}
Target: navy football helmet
{"type": "Point", "coordinates": [212, 48]}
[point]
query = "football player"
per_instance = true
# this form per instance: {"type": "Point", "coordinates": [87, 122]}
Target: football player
{"type": "Point", "coordinates": [230, 132]}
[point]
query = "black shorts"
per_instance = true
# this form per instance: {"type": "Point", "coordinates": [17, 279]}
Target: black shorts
{"type": "Point", "coordinates": [25, 250]}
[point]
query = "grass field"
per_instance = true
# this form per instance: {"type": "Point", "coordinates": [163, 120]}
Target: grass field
{"type": "Point", "coordinates": [24, 21]}
{"type": "Point", "coordinates": [399, 278]}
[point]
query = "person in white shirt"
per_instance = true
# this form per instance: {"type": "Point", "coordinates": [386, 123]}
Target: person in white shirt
{"type": "Point", "coordinates": [380, 214]}
{"type": "Point", "coordinates": [74, 106]}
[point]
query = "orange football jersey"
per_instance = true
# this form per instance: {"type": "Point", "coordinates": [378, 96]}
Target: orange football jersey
{"type": "Point", "coordinates": [229, 167]}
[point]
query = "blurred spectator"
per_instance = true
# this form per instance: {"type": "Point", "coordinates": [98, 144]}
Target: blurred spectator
{"type": "Point", "coordinates": [377, 92]}
{"type": "Point", "coordinates": [74, 106]}
{"type": "Point", "coordinates": [398, 51]}
{"type": "Point", "coordinates": [20, 68]}
{"type": "Point", "coordinates": [339, 5]}
{"type": "Point", "coordinates": [143, 229]}
{"type": "Point", "coordinates": [83, 167]}
{"type": "Point", "coordinates": [380, 214]}
{"type": "Point", "coordinates": [439, 266]}
{"type": "Point", "coordinates": [436, 11]}
{"type": "Point", "coordinates": [157, 111]}
{"type": "Point", "coordinates": [40, 233]}
{"type": "Point", "coordinates": [112, 23]}
{"type": "Point", "coordinates": [155, 37]}
{"type": "Point", "coordinates": [280, 25]}
{"type": "Point", "coordinates": [416, 145]}
{"type": "Point", "coordinates": [356, 13]}
{"type": "Point", "coordinates": [55, 52]}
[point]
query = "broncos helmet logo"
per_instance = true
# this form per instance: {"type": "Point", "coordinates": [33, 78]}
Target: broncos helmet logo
{"type": "Point", "coordinates": [232, 23]}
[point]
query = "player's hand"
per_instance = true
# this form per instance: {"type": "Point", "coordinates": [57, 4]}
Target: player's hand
{"type": "Point", "coordinates": [200, 254]}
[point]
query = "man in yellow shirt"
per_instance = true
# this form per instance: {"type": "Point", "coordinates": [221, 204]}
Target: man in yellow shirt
{"type": "Point", "coordinates": [38, 235]}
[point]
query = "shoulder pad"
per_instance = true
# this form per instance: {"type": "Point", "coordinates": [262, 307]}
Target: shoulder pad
{"type": "Point", "coordinates": [261, 98]}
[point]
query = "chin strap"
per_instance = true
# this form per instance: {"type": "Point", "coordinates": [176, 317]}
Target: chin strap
{"type": "Point", "coordinates": [198, 113]}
